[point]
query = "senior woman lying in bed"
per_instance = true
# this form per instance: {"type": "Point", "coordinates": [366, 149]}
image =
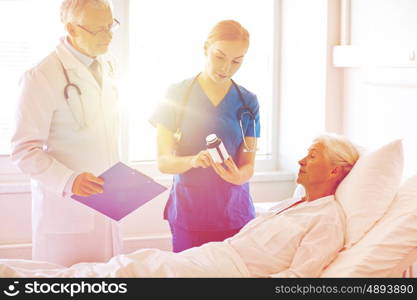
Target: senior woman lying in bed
{"type": "Point", "coordinates": [296, 238]}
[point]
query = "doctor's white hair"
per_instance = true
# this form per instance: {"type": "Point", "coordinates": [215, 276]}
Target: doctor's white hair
{"type": "Point", "coordinates": [71, 9]}
{"type": "Point", "coordinates": [339, 150]}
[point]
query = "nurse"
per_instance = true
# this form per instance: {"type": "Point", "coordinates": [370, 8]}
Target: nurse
{"type": "Point", "coordinates": [209, 201]}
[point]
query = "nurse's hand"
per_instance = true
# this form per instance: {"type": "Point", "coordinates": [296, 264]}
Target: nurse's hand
{"type": "Point", "coordinates": [201, 160]}
{"type": "Point", "coordinates": [86, 184]}
{"type": "Point", "coordinates": [230, 174]}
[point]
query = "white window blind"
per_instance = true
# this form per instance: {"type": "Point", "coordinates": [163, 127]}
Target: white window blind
{"type": "Point", "coordinates": [166, 41]}
{"type": "Point", "coordinates": [30, 29]}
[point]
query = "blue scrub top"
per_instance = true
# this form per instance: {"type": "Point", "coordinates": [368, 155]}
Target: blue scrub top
{"type": "Point", "coordinates": [199, 199]}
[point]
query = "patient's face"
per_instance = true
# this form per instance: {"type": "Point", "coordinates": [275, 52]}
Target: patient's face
{"type": "Point", "coordinates": [315, 168]}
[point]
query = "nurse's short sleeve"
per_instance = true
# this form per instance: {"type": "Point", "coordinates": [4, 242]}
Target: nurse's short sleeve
{"type": "Point", "coordinates": [167, 109]}
{"type": "Point", "coordinates": [251, 130]}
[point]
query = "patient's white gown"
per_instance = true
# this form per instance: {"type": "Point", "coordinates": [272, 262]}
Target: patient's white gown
{"type": "Point", "coordinates": [298, 241]}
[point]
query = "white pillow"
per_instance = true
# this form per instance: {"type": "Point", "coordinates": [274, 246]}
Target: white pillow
{"type": "Point", "coordinates": [369, 189]}
{"type": "Point", "coordinates": [389, 247]}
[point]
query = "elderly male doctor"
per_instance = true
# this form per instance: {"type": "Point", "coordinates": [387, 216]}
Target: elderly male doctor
{"type": "Point", "coordinates": [66, 134]}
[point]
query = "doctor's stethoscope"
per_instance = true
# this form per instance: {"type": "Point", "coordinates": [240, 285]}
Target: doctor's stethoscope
{"type": "Point", "coordinates": [69, 85]}
{"type": "Point", "coordinates": [244, 109]}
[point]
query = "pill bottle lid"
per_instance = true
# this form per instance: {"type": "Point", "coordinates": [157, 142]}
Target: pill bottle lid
{"type": "Point", "coordinates": [211, 138]}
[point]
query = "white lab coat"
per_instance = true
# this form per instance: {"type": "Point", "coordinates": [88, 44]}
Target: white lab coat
{"type": "Point", "coordinates": [49, 146]}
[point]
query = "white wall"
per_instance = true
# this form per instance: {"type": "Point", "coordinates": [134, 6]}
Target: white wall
{"type": "Point", "coordinates": [381, 91]}
{"type": "Point", "coordinates": [381, 94]}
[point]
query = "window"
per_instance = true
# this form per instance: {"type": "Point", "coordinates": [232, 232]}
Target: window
{"type": "Point", "coordinates": [166, 41]}
{"type": "Point", "coordinates": [26, 38]}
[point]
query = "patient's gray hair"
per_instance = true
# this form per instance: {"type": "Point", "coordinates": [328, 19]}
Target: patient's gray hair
{"type": "Point", "coordinates": [339, 149]}
{"type": "Point", "coordinates": [70, 9]}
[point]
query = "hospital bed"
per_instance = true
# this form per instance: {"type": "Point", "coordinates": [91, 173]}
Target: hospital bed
{"type": "Point", "coordinates": [388, 249]}
{"type": "Point", "coordinates": [381, 239]}
{"type": "Point", "coordinates": [381, 214]}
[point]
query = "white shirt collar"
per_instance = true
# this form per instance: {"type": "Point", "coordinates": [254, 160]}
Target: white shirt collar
{"type": "Point", "coordinates": [84, 59]}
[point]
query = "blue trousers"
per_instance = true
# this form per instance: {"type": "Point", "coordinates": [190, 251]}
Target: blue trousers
{"type": "Point", "coordinates": [183, 239]}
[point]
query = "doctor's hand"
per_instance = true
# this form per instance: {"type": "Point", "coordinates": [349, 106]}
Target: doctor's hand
{"type": "Point", "coordinates": [230, 174]}
{"type": "Point", "coordinates": [86, 184]}
{"type": "Point", "coordinates": [201, 160]}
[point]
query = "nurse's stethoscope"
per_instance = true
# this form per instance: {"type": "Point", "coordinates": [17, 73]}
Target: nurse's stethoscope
{"type": "Point", "coordinates": [68, 86]}
{"type": "Point", "coordinates": [244, 109]}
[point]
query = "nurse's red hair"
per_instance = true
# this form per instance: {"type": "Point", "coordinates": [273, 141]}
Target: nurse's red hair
{"type": "Point", "coordinates": [227, 30]}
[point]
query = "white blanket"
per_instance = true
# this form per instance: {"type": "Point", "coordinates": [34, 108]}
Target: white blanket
{"type": "Point", "coordinates": [214, 259]}
{"type": "Point", "coordinates": [289, 241]}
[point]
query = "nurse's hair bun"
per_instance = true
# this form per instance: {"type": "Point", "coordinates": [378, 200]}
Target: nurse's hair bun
{"type": "Point", "coordinates": [227, 30]}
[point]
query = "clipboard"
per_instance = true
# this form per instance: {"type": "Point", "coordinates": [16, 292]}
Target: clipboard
{"type": "Point", "coordinates": [125, 190]}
